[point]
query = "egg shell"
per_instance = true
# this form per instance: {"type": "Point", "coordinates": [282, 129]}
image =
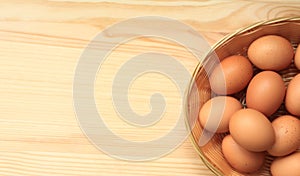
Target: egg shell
{"type": "Point", "coordinates": [287, 135]}
{"type": "Point", "coordinates": [286, 166]}
{"type": "Point", "coordinates": [252, 130]}
{"type": "Point", "coordinates": [215, 113]}
{"type": "Point", "coordinates": [265, 92]}
{"type": "Point", "coordinates": [293, 96]}
{"type": "Point", "coordinates": [271, 52]}
{"type": "Point", "coordinates": [297, 57]}
{"type": "Point", "coordinates": [241, 159]}
{"type": "Point", "coordinates": [231, 75]}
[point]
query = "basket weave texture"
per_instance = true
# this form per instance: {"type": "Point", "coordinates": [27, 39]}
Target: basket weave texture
{"type": "Point", "coordinates": [199, 89]}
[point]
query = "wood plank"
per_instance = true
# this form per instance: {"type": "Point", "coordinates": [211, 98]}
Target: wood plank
{"type": "Point", "coordinates": [40, 44]}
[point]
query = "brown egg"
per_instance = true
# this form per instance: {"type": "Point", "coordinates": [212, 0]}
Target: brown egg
{"type": "Point", "coordinates": [265, 92]}
{"type": "Point", "coordinates": [241, 159]}
{"type": "Point", "coordinates": [287, 135]}
{"type": "Point", "coordinates": [252, 130]}
{"type": "Point", "coordinates": [271, 52]}
{"type": "Point", "coordinates": [231, 75]}
{"type": "Point", "coordinates": [286, 166]}
{"type": "Point", "coordinates": [215, 113]}
{"type": "Point", "coordinates": [293, 96]}
{"type": "Point", "coordinates": [297, 57]}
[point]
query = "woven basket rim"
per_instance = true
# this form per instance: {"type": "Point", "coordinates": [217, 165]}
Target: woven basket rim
{"type": "Point", "coordinates": [199, 66]}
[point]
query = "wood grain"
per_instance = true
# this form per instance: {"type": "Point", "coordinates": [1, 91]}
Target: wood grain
{"type": "Point", "coordinates": [40, 44]}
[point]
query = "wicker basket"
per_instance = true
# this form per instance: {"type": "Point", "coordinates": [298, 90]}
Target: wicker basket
{"type": "Point", "coordinates": [236, 43]}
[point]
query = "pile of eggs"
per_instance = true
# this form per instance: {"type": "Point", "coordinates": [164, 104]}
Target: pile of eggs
{"type": "Point", "coordinates": [252, 133]}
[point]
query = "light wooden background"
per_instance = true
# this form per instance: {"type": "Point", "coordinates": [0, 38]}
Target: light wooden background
{"type": "Point", "coordinates": [40, 44]}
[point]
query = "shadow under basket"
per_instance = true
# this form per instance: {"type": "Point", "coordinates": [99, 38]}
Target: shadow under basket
{"type": "Point", "coordinates": [199, 89]}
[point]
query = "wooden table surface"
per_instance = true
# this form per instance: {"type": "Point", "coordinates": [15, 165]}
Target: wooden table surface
{"type": "Point", "coordinates": [40, 45]}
